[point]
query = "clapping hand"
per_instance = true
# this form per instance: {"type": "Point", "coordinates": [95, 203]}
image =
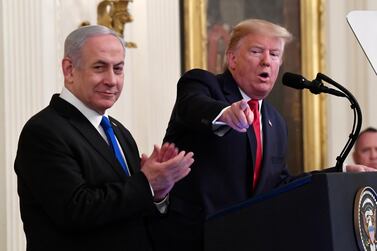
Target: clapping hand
{"type": "Point", "coordinates": [164, 167]}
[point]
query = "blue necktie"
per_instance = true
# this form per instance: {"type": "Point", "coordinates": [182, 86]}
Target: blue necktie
{"type": "Point", "coordinates": [105, 123]}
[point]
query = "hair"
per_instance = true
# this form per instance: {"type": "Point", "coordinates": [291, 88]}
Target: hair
{"type": "Point", "coordinates": [369, 129]}
{"type": "Point", "coordinates": [257, 26]}
{"type": "Point", "coordinates": [76, 39]}
{"type": "Point", "coordinates": [366, 130]}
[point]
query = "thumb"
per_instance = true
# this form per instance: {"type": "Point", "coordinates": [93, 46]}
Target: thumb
{"type": "Point", "coordinates": [156, 151]}
{"type": "Point", "coordinates": [143, 159]}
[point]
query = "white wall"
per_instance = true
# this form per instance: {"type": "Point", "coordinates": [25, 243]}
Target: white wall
{"type": "Point", "coordinates": [347, 65]}
{"type": "Point", "coordinates": [3, 195]}
{"type": "Point", "coordinates": [31, 46]}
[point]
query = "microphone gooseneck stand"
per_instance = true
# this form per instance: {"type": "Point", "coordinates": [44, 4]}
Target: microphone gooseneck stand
{"type": "Point", "coordinates": [357, 119]}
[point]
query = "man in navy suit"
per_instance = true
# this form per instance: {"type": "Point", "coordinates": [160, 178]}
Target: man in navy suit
{"type": "Point", "coordinates": [74, 193]}
{"type": "Point", "coordinates": [212, 118]}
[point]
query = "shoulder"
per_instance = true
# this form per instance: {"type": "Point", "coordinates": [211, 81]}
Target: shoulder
{"type": "Point", "coordinates": [200, 80]}
{"type": "Point", "coordinates": [199, 72]}
{"type": "Point", "coordinates": [43, 120]}
{"type": "Point", "coordinates": [198, 75]}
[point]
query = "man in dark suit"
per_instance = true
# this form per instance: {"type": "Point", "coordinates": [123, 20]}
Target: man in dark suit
{"type": "Point", "coordinates": [212, 118]}
{"type": "Point", "coordinates": [75, 193]}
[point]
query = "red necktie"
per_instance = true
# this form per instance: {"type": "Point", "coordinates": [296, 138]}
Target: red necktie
{"type": "Point", "coordinates": [258, 153]}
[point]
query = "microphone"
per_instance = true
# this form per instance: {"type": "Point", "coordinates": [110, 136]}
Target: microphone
{"type": "Point", "coordinates": [316, 86]}
{"type": "Point", "coordinates": [299, 82]}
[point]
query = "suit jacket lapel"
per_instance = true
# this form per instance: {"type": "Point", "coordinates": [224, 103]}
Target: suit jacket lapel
{"type": "Point", "coordinates": [233, 94]}
{"type": "Point", "coordinates": [86, 129]}
{"type": "Point", "coordinates": [126, 148]}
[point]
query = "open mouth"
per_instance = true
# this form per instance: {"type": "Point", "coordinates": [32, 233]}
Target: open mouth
{"type": "Point", "coordinates": [264, 75]}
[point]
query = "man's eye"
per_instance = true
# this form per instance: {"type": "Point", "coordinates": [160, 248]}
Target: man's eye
{"type": "Point", "coordinates": [98, 67]}
{"type": "Point", "coordinates": [118, 70]}
{"type": "Point", "coordinates": [365, 150]}
{"type": "Point", "coordinates": [255, 51]}
{"type": "Point", "coordinates": [275, 54]}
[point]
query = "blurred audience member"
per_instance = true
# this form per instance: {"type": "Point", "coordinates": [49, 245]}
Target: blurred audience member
{"type": "Point", "coordinates": [365, 150]}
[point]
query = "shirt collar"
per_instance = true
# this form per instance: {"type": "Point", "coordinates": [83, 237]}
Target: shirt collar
{"type": "Point", "coordinates": [247, 98]}
{"type": "Point", "coordinates": [93, 116]}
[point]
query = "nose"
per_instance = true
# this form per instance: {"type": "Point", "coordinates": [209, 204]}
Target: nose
{"type": "Point", "coordinates": [109, 77]}
{"type": "Point", "coordinates": [266, 59]}
{"type": "Point", "coordinates": [373, 154]}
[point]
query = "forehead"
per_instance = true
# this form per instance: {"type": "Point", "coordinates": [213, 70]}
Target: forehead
{"type": "Point", "coordinates": [264, 41]}
{"type": "Point", "coordinates": [103, 45]}
{"type": "Point", "coordinates": [367, 139]}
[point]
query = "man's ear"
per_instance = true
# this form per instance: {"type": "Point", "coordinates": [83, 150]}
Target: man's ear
{"type": "Point", "coordinates": [67, 68]}
{"type": "Point", "coordinates": [231, 59]}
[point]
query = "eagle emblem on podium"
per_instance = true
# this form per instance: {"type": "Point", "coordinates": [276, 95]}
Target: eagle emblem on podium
{"type": "Point", "coordinates": [365, 219]}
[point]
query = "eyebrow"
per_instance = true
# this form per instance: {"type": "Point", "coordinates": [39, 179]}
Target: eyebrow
{"type": "Point", "coordinates": [107, 63]}
{"type": "Point", "coordinates": [120, 63]}
{"type": "Point", "coordinates": [264, 48]}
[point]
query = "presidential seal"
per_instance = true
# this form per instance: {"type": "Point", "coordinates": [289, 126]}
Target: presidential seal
{"type": "Point", "coordinates": [365, 219]}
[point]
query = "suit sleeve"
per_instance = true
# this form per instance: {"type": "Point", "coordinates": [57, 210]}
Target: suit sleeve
{"type": "Point", "coordinates": [60, 177]}
{"type": "Point", "coordinates": [199, 99]}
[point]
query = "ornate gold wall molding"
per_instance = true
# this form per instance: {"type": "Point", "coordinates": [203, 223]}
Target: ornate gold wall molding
{"type": "Point", "coordinates": [195, 34]}
{"type": "Point", "coordinates": [114, 14]}
{"type": "Point", "coordinates": [314, 112]}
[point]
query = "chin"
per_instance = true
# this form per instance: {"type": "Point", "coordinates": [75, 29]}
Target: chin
{"type": "Point", "coordinates": [262, 93]}
{"type": "Point", "coordinates": [104, 106]}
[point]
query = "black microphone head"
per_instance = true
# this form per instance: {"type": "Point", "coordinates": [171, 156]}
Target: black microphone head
{"type": "Point", "coordinates": [294, 80]}
{"type": "Point", "coordinates": [316, 87]}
